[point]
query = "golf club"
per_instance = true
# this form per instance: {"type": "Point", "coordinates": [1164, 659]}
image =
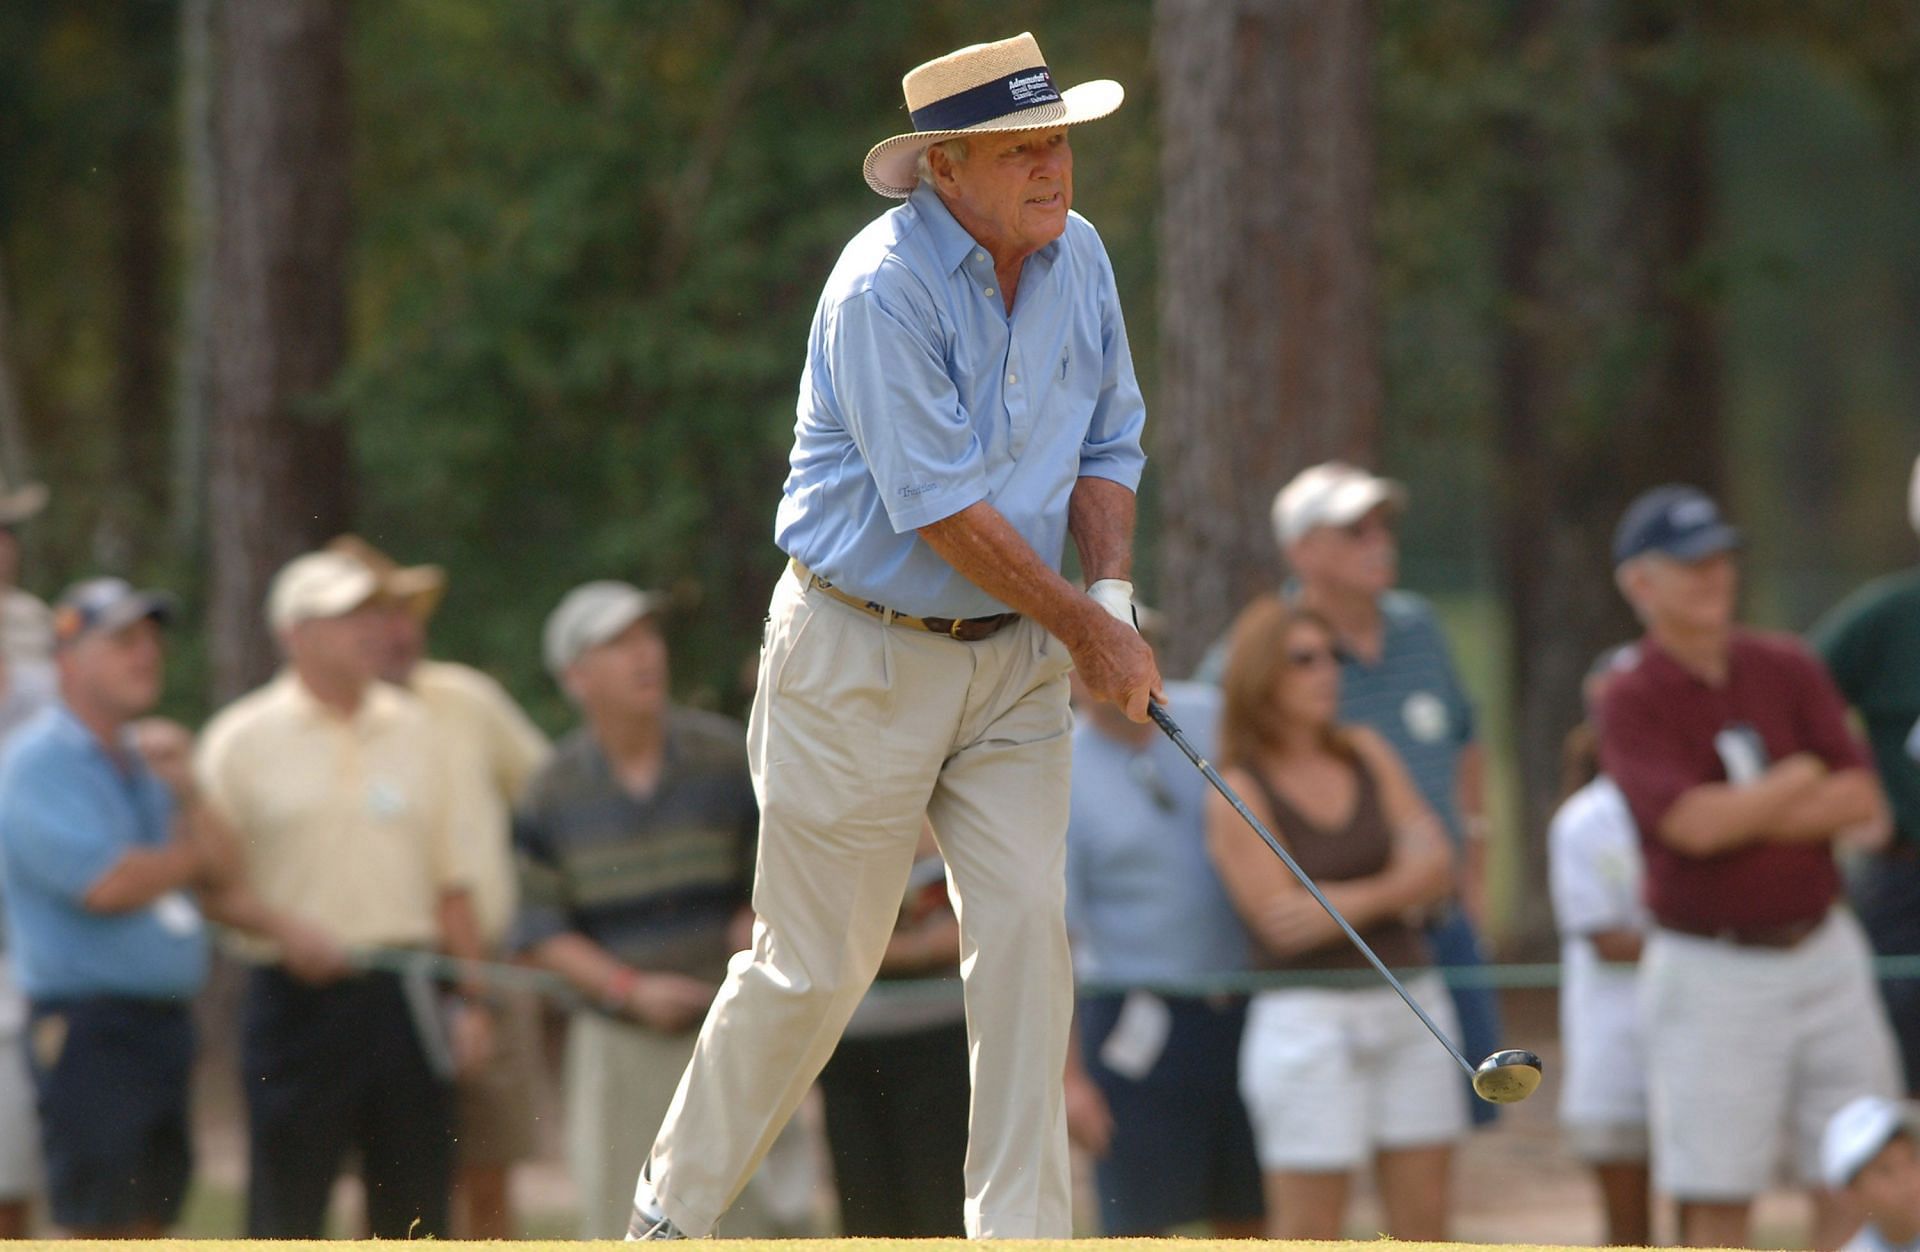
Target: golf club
{"type": "Point", "coordinates": [1505, 1077]}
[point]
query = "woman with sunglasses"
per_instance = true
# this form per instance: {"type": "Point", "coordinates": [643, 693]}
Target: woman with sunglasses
{"type": "Point", "coordinates": [1335, 1072]}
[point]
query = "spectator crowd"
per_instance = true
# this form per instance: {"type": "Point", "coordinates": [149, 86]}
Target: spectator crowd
{"type": "Point", "coordinates": [1740, 838]}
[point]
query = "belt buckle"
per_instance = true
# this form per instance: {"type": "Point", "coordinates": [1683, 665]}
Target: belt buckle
{"type": "Point", "coordinates": [953, 629]}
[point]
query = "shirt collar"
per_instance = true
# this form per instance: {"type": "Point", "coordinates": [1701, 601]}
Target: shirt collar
{"type": "Point", "coordinates": [1667, 667]}
{"type": "Point", "coordinates": [75, 732]}
{"type": "Point", "coordinates": [951, 242]}
{"type": "Point", "coordinates": [374, 706]}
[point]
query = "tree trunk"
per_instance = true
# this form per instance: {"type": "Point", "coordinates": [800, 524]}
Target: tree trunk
{"type": "Point", "coordinates": [1610, 365]}
{"type": "Point", "coordinates": [278, 481]}
{"type": "Point", "coordinates": [136, 502]}
{"type": "Point", "coordinates": [193, 357]}
{"type": "Point", "coordinates": [16, 463]}
{"type": "Point", "coordinates": [1268, 329]}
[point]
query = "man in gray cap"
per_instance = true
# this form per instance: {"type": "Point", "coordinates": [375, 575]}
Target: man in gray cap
{"type": "Point", "coordinates": [636, 844]}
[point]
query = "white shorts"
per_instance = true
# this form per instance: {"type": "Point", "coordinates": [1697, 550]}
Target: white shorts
{"type": "Point", "coordinates": [19, 1126]}
{"type": "Point", "coordinates": [1754, 1049]}
{"type": "Point", "coordinates": [1331, 1077]}
{"type": "Point", "coordinates": [1606, 1143]}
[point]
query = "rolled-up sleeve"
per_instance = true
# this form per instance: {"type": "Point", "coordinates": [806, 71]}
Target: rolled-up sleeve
{"type": "Point", "coordinates": [1112, 448]}
{"type": "Point", "coordinates": [902, 409]}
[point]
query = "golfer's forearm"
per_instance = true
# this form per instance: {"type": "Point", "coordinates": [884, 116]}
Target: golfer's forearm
{"type": "Point", "coordinates": [1837, 803]}
{"type": "Point", "coordinates": [988, 552]}
{"type": "Point", "coordinates": [1100, 519]}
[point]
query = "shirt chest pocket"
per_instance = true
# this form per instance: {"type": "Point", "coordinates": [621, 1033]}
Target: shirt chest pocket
{"type": "Point", "coordinates": [1073, 387]}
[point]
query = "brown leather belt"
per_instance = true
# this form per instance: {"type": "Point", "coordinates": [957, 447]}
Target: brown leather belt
{"type": "Point", "coordinates": [966, 629]}
{"type": "Point", "coordinates": [1784, 935]}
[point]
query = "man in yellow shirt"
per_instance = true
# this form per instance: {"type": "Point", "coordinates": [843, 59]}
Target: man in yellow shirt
{"type": "Point", "coordinates": [495, 749]}
{"type": "Point", "coordinates": [341, 796]}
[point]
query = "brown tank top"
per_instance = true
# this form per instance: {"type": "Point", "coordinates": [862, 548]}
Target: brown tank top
{"type": "Point", "coordinates": [1356, 849]}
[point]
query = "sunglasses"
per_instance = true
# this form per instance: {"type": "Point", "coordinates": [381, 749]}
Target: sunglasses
{"type": "Point", "coordinates": [1366, 527]}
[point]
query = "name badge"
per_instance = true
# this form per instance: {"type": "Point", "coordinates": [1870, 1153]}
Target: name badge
{"type": "Point", "coordinates": [1139, 1036]}
{"type": "Point", "coordinates": [1743, 754]}
{"type": "Point", "coordinates": [386, 799]}
{"type": "Point", "coordinates": [176, 914]}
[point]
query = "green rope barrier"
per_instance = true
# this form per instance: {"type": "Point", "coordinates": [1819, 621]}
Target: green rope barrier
{"type": "Point", "coordinates": [1506, 976]}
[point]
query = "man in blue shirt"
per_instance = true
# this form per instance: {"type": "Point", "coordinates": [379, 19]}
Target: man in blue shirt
{"type": "Point", "coordinates": [104, 845]}
{"type": "Point", "coordinates": [1156, 1069]}
{"type": "Point", "coordinates": [968, 403]}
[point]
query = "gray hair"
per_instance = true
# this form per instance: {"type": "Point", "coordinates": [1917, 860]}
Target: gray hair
{"type": "Point", "coordinates": [956, 150]}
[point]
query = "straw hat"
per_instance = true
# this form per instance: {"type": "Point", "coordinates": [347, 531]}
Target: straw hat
{"type": "Point", "coordinates": [988, 88]}
{"type": "Point", "coordinates": [419, 587]}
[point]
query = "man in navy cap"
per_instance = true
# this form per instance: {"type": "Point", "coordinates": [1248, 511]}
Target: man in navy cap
{"type": "Point", "coordinates": [1733, 752]}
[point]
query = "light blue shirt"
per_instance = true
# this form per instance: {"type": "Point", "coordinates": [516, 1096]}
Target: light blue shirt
{"type": "Point", "coordinates": [1144, 901]}
{"type": "Point", "coordinates": [923, 396]}
{"type": "Point", "coordinates": [68, 813]}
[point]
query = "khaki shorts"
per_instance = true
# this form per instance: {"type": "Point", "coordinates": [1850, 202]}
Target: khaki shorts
{"type": "Point", "coordinates": [1757, 1048]}
{"type": "Point", "coordinates": [1332, 1076]}
{"type": "Point", "coordinates": [497, 1107]}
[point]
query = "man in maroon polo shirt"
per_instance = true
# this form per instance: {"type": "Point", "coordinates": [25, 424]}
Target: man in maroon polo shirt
{"type": "Point", "coordinates": [1733, 752]}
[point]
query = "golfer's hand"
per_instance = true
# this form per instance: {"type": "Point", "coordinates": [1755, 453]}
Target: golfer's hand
{"type": "Point", "coordinates": [1116, 665]}
{"type": "Point", "coordinates": [672, 1004]}
{"type": "Point", "coordinates": [1089, 1120]}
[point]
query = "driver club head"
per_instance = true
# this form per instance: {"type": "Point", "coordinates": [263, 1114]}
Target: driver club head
{"type": "Point", "coordinates": [1507, 1077]}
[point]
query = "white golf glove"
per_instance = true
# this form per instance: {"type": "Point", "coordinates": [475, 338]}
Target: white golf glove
{"type": "Point", "coordinates": [1115, 595]}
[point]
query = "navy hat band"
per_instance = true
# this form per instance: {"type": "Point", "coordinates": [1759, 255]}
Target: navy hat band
{"type": "Point", "coordinates": [1022, 89]}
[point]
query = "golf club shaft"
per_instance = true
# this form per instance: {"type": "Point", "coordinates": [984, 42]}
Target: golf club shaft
{"type": "Point", "coordinates": [1166, 723]}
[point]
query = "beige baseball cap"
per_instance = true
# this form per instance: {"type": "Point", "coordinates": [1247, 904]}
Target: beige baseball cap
{"type": "Point", "coordinates": [419, 588]}
{"type": "Point", "coordinates": [319, 585]}
{"type": "Point", "coordinates": [590, 615]}
{"type": "Point", "coordinates": [1331, 494]}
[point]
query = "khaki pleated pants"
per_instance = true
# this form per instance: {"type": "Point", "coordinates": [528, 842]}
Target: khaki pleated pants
{"type": "Point", "coordinates": [859, 728]}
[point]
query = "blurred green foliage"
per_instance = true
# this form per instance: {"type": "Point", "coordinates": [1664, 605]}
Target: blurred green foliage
{"type": "Point", "coordinates": [590, 234]}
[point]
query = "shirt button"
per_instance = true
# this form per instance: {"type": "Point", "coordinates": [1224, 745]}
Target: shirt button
{"type": "Point", "coordinates": [1013, 378]}
{"type": "Point", "coordinates": [987, 292]}
{"type": "Point", "coordinates": [979, 256]}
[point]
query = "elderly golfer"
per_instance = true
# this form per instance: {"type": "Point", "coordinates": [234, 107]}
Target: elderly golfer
{"type": "Point", "coordinates": [968, 402]}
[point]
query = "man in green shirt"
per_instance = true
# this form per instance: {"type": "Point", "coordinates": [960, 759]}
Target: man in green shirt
{"type": "Point", "coordinates": [1871, 642]}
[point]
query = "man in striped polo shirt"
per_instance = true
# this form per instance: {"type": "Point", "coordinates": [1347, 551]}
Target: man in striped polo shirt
{"type": "Point", "coordinates": [1335, 527]}
{"type": "Point", "coordinates": [636, 846]}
